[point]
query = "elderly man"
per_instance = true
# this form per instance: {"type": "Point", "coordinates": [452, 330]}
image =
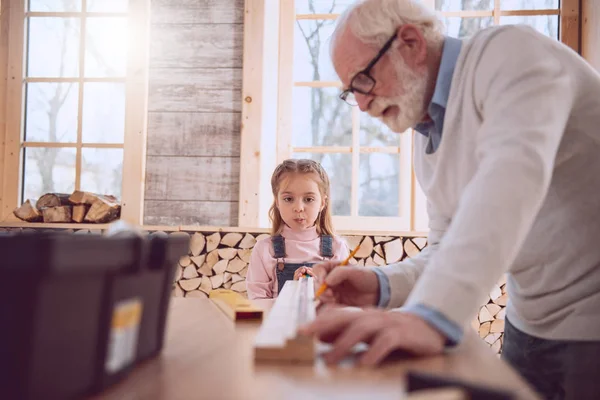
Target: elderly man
{"type": "Point", "coordinates": [507, 152]}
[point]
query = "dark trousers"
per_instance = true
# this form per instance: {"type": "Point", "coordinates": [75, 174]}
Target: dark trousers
{"type": "Point", "coordinates": [557, 369]}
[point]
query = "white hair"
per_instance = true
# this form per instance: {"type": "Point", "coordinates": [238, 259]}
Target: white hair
{"type": "Point", "coordinates": [373, 22]}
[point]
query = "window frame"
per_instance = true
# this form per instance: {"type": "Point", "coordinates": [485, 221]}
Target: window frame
{"type": "Point", "coordinates": [568, 30]}
{"type": "Point", "coordinates": [136, 98]}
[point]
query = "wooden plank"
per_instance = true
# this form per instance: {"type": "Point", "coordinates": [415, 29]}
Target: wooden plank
{"type": "Point", "coordinates": [136, 113]}
{"type": "Point", "coordinates": [286, 82]}
{"type": "Point", "coordinates": [278, 338]}
{"type": "Point", "coordinates": [217, 214]}
{"type": "Point", "coordinates": [252, 123]}
{"type": "Point", "coordinates": [569, 23]}
{"type": "Point", "coordinates": [194, 134]}
{"type": "Point", "coordinates": [590, 32]}
{"type": "Point", "coordinates": [12, 173]}
{"type": "Point", "coordinates": [183, 97]}
{"type": "Point", "coordinates": [201, 78]}
{"type": "Point", "coordinates": [235, 306]}
{"type": "Point", "coordinates": [4, 23]}
{"type": "Point", "coordinates": [192, 178]}
{"type": "Point", "coordinates": [198, 12]}
{"type": "Point", "coordinates": [196, 46]}
{"type": "Point", "coordinates": [195, 90]}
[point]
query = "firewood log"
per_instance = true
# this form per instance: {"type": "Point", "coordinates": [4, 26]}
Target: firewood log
{"type": "Point", "coordinates": [79, 212]}
{"type": "Point", "coordinates": [52, 200]}
{"type": "Point", "coordinates": [80, 197]}
{"type": "Point", "coordinates": [57, 214]}
{"type": "Point", "coordinates": [102, 212]}
{"type": "Point", "coordinates": [28, 212]}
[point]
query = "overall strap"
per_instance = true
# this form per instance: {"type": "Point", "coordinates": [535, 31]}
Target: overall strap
{"type": "Point", "coordinates": [326, 246]}
{"type": "Point", "coordinates": [278, 243]}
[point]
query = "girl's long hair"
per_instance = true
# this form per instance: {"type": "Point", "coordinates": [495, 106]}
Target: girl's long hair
{"type": "Point", "coordinates": [301, 166]}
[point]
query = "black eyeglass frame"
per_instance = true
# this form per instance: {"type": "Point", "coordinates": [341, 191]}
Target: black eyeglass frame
{"type": "Point", "coordinates": [366, 72]}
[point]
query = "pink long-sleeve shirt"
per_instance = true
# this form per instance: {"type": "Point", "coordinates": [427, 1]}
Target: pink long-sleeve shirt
{"type": "Point", "coordinates": [304, 246]}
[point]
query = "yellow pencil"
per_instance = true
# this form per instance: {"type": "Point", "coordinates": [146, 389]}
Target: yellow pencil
{"type": "Point", "coordinates": [323, 286]}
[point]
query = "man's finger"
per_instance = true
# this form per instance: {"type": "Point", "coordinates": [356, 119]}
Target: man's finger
{"type": "Point", "coordinates": [309, 271]}
{"type": "Point", "coordinates": [329, 322]}
{"type": "Point", "coordinates": [385, 342]}
{"type": "Point", "coordinates": [339, 275]}
{"type": "Point", "coordinates": [322, 269]}
{"type": "Point", "coordinates": [361, 330]}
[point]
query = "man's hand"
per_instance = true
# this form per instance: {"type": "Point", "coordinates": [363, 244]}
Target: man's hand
{"type": "Point", "coordinates": [299, 273]}
{"type": "Point", "coordinates": [347, 285]}
{"type": "Point", "coordinates": [384, 331]}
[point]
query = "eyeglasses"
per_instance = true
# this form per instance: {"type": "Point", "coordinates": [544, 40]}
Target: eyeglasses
{"type": "Point", "coordinates": [363, 82]}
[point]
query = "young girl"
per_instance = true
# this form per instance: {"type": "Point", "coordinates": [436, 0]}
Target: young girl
{"type": "Point", "coordinates": [301, 232]}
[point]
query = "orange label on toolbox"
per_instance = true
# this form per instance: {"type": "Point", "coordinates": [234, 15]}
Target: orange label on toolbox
{"type": "Point", "coordinates": [123, 338]}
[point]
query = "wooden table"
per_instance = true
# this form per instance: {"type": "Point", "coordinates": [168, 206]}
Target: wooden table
{"type": "Point", "coordinates": [206, 356]}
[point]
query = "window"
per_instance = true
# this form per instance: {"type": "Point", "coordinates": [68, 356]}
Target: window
{"type": "Point", "coordinates": [373, 185]}
{"type": "Point", "coordinates": [73, 62]}
{"type": "Point", "coordinates": [74, 103]}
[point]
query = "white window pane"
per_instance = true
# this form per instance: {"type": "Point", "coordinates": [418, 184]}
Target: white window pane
{"type": "Point", "coordinates": [465, 27]}
{"type": "Point", "coordinates": [320, 118]}
{"type": "Point", "coordinates": [374, 133]}
{"type": "Point", "coordinates": [48, 170]}
{"type": "Point", "coordinates": [339, 169]}
{"type": "Point", "coordinates": [102, 171]}
{"type": "Point", "coordinates": [464, 5]}
{"type": "Point", "coordinates": [106, 47]}
{"type": "Point", "coordinates": [51, 112]}
{"type": "Point", "coordinates": [107, 5]}
{"type": "Point", "coordinates": [311, 51]}
{"type": "Point", "coordinates": [545, 24]}
{"type": "Point", "coordinates": [379, 185]}
{"type": "Point", "coordinates": [54, 5]}
{"type": "Point", "coordinates": [322, 6]}
{"type": "Point", "coordinates": [53, 49]}
{"type": "Point", "coordinates": [528, 4]}
{"type": "Point", "coordinates": [103, 112]}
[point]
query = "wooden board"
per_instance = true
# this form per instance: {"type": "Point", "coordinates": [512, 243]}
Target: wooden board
{"type": "Point", "coordinates": [194, 134]}
{"type": "Point", "coordinates": [235, 306]}
{"type": "Point", "coordinates": [278, 338]}
{"type": "Point", "coordinates": [198, 11]}
{"type": "Point", "coordinates": [192, 178]}
{"type": "Point", "coordinates": [183, 212]}
{"type": "Point", "coordinates": [196, 45]}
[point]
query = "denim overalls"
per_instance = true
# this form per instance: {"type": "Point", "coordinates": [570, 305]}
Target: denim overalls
{"type": "Point", "coordinates": [285, 271]}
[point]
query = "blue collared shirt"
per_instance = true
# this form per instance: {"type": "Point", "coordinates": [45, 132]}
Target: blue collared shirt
{"type": "Point", "coordinates": [433, 130]}
{"type": "Point", "coordinates": [439, 100]}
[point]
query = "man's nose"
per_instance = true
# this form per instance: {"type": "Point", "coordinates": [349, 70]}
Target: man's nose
{"type": "Point", "coordinates": [363, 101]}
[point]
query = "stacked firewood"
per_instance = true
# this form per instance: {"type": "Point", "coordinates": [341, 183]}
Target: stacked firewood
{"type": "Point", "coordinates": [489, 322]}
{"type": "Point", "coordinates": [221, 260]}
{"type": "Point", "coordinates": [214, 261]}
{"type": "Point", "coordinates": [78, 207]}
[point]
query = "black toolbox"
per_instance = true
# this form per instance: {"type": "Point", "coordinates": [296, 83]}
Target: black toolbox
{"type": "Point", "coordinates": [79, 312]}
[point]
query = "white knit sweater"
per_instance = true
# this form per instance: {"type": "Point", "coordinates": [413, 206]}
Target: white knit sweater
{"type": "Point", "coordinates": [514, 187]}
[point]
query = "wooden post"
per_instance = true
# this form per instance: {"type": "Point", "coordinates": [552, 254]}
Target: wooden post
{"type": "Point", "coordinates": [569, 23]}
{"type": "Point", "coordinates": [11, 182]}
{"type": "Point", "coordinates": [136, 113]}
{"type": "Point", "coordinates": [4, 24]}
{"type": "Point", "coordinates": [252, 98]}
{"type": "Point", "coordinates": [590, 32]}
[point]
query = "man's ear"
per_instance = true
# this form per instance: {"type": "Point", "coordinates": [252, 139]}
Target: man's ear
{"type": "Point", "coordinates": [411, 44]}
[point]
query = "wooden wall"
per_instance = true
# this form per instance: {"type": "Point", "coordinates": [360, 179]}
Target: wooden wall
{"type": "Point", "coordinates": [192, 167]}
